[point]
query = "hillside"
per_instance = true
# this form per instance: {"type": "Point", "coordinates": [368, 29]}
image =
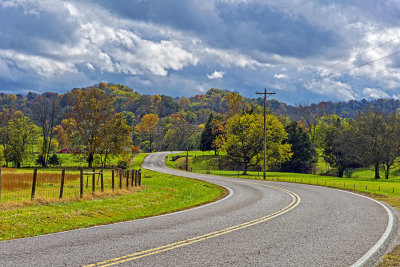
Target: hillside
{"type": "Point", "coordinates": [195, 109]}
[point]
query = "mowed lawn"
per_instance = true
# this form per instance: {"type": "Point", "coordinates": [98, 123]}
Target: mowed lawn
{"type": "Point", "coordinates": [159, 194]}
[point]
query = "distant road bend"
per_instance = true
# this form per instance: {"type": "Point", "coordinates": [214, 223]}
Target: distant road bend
{"type": "Point", "coordinates": [259, 223]}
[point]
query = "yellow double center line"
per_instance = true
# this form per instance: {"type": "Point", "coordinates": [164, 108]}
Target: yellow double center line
{"type": "Point", "coordinates": [137, 255]}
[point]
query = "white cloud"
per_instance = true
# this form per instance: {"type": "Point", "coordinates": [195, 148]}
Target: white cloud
{"type": "Point", "coordinates": [334, 89]}
{"type": "Point", "coordinates": [375, 93]}
{"type": "Point", "coordinates": [216, 75]}
{"type": "Point", "coordinates": [280, 76]}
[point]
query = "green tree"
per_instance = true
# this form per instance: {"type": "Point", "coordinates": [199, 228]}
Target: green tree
{"type": "Point", "coordinates": [207, 136]}
{"type": "Point", "coordinates": [338, 140]}
{"type": "Point", "coordinates": [244, 140]}
{"type": "Point", "coordinates": [373, 132]}
{"type": "Point", "coordinates": [21, 133]}
{"type": "Point", "coordinates": [304, 155]}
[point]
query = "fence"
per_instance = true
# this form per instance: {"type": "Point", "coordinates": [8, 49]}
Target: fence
{"type": "Point", "coordinates": [58, 184]}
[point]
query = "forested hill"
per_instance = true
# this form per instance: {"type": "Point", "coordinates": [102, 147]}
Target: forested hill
{"type": "Point", "coordinates": [197, 108]}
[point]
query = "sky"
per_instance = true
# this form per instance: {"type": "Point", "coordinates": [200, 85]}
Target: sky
{"type": "Point", "coordinates": [306, 51]}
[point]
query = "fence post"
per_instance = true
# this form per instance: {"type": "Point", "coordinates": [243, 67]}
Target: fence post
{"type": "Point", "coordinates": [120, 179]}
{"type": "Point", "coordinates": [127, 178]}
{"type": "Point", "coordinates": [140, 177]}
{"type": "Point", "coordinates": [136, 177]}
{"type": "Point", "coordinates": [0, 184]}
{"type": "Point", "coordinates": [102, 181]}
{"type": "Point", "coordinates": [62, 183]}
{"type": "Point", "coordinates": [93, 180]}
{"type": "Point", "coordinates": [132, 175]}
{"type": "Point", "coordinates": [34, 184]}
{"type": "Point", "coordinates": [81, 183]}
{"type": "Point", "coordinates": [112, 179]}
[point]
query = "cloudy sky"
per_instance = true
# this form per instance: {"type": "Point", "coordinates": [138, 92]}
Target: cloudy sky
{"type": "Point", "coordinates": [307, 51]}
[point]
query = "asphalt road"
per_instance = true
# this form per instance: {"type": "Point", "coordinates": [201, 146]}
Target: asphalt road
{"type": "Point", "coordinates": [258, 224]}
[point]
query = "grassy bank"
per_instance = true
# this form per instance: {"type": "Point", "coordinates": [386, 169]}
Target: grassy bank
{"type": "Point", "coordinates": [159, 194]}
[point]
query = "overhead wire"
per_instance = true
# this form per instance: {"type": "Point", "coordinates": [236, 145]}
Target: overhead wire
{"type": "Point", "coordinates": [345, 60]}
{"type": "Point", "coordinates": [347, 70]}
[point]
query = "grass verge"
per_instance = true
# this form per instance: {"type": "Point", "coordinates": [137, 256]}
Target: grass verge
{"type": "Point", "coordinates": [159, 194]}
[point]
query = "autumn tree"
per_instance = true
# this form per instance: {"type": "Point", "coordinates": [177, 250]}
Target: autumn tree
{"type": "Point", "coordinates": [244, 140]}
{"type": "Point", "coordinates": [179, 134]}
{"type": "Point", "coordinates": [116, 137]}
{"type": "Point", "coordinates": [146, 127]}
{"type": "Point", "coordinates": [91, 111]}
{"type": "Point", "coordinates": [233, 104]}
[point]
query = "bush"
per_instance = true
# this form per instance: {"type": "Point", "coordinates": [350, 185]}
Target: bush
{"type": "Point", "coordinates": [54, 160]}
{"type": "Point", "coordinates": [122, 164]}
{"type": "Point", "coordinates": [348, 172]}
{"type": "Point", "coordinates": [40, 160]}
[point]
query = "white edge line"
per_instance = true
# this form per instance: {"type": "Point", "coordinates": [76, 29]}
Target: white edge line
{"type": "Point", "coordinates": [383, 238]}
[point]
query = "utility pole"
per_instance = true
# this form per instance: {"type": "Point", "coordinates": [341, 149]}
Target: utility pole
{"type": "Point", "coordinates": [265, 93]}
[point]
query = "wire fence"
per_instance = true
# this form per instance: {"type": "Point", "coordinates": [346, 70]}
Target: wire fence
{"type": "Point", "coordinates": [382, 186]}
{"type": "Point", "coordinates": [17, 186]}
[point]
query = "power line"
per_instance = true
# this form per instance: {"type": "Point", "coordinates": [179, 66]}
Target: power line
{"type": "Point", "coordinates": [345, 60]}
{"type": "Point", "coordinates": [347, 70]}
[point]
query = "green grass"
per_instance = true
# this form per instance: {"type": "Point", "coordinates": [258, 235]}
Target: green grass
{"type": "Point", "coordinates": [362, 179]}
{"type": "Point", "coordinates": [159, 194]}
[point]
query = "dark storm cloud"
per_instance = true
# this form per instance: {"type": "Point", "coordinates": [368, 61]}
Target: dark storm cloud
{"type": "Point", "coordinates": [186, 47]}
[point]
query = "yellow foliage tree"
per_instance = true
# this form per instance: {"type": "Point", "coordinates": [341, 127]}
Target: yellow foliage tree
{"type": "Point", "coordinates": [147, 125]}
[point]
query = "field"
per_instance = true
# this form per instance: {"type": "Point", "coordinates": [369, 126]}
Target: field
{"type": "Point", "coordinates": [159, 194]}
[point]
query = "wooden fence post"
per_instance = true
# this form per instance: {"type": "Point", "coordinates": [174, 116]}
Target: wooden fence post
{"type": "Point", "coordinates": [93, 180]}
{"type": "Point", "coordinates": [136, 178]}
{"type": "Point", "coordinates": [120, 179]}
{"type": "Point", "coordinates": [140, 177]}
{"type": "Point", "coordinates": [102, 181]}
{"type": "Point", "coordinates": [62, 183]}
{"type": "Point", "coordinates": [0, 183]}
{"type": "Point", "coordinates": [81, 183]}
{"type": "Point", "coordinates": [132, 175]}
{"type": "Point", "coordinates": [112, 179]}
{"type": "Point", "coordinates": [127, 179]}
{"type": "Point", "coordinates": [34, 184]}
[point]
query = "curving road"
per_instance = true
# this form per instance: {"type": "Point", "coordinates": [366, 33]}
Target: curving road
{"type": "Point", "coordinates": [259, 224]}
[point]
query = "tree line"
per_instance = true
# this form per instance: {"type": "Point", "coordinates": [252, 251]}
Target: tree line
{"type": "Point", "coordinates": [104, 121]}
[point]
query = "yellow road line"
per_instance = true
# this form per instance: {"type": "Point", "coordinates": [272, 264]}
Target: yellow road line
{"type": "Point", "coordinates": [130, 257]}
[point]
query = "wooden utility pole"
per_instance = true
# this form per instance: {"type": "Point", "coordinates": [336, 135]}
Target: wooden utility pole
{"type": "Point", "coordinates": [265, 93]}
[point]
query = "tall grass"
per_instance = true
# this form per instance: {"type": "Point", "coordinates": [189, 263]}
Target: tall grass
{"type": "Point", "coordinates": [16, 185]}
